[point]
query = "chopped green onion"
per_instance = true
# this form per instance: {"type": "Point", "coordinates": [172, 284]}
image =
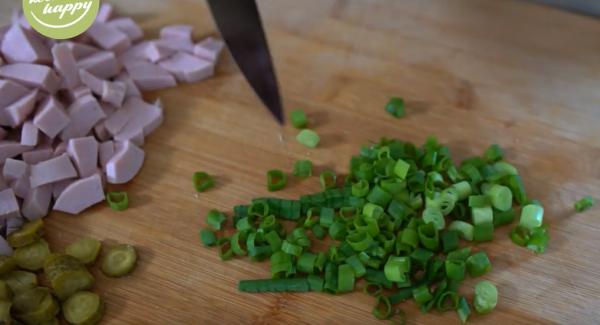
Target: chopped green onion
{"type": "Point", "coordinates": [208, 237]}
{"type": "Point", "coordinates": [464, 229]}
{"type": "Point", "coordinates": [292, 249]}
{"type": "Point", "coordinates": [449, 241]}
{"type": "Point", "coordinates": [531, 216]}
{"type": "Point", "coordinates": [460, 254]}
{"type": "Point", "coordinates": [118, 201]}
{"type": "Point", "coordinates": [281, 264]}
{"type": "Point", "coordinates": [225, 251]}
{"type": "Point", "coordinates": [345, 278]}
{"type": "Point", "coordinates": [463, 310]}
{"type": "Point", "coordinates": [486, 297]}
{"type": "Point", "coordinates": [308, 138]}
{"type": "Point", "coordinates": [318, 231]}
{"type": "Point", "coordinates": [357, 266]}
{"type": "Point", "coordinates": [315, 283]}
{"type": "Point", "coordinates": [401, 168]}
{"type": "Point", "coordinates": [273, 239]}
{"type": "Point", "coordinates": [583, 204]}
{"type": "Point", "coordinates": [396, 268]}
{"type": "Point", "coordinates": [303, 168]}
{"type": "Point", "coordinates": [483, 231]}
{"type": "Point", "coordinates": [379, 196]}
{"type": "Point", "coordinates": [326, 217]}
{"type": "Point", "coordinates": [444, 298]}
{"type": "Point", "coordinates": [360, 188]}
{"type": "Point", "coordinates": [359, 241]}
{"type": "Point", "coordinates": [455, 269]}
{"type": "Point", "coordinates": [306, 263]}
{"type": "Point", "coordinates": [429, 237]}
{"type": "Point", "coordinates": [482, 215]}
{"type": "Point", "coordinates": [298, 118]}
{"type": "Point", "coordinates": [538, 239]}
{"type": "Point", "coordinates": [274, 285]}
{"type": "Point", "coordinates": [478, 201]}
{"type": "Point", "coordinates": [515, 183]}
{"type": "Point", "coordinates": [500, 197]}
{"type": "Point", "coordinates": [494, 153]}
{"type": "Point", "coordinates": [383, 308]}
{"type": "Point", "coordinates": [328, 179]}
{"type": "Point", "coordinates": [435, 216]}
{"type": "Point", "coordinates": [422, 295]}
{"type": "Point", "coordinates": [202, 181]}
{"type": "Point", "coordinates": [463, 189]}
{"type": "Point", "coordinates": [215, 219]}
{"type": "Point", "coordinates": [520, 235]}
{"type": "Point", "coordinates": [421, 256]}
{"type": "Point", "coordinates": [478, 264]}
{"type": "Point", "coordinates": [372, 289]}
{"type": "Point", "coordinates": [502, 218]}
{"type": "Point", "coordinates": [395, 107]}
{"type": "Point", "coordinates": [276, 180]}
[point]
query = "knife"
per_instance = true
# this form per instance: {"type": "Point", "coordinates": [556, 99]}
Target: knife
{"type": "Point", "coordinates": [242, 29]}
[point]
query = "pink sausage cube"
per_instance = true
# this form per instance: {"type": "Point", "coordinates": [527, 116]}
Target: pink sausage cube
{"type": "Point", "coordinates": [101, 132]}
{"type": "Point", "coordinates": [92, 82]}
{"type": "Point", "coordinates": [79, 92]}
{"type": "Point", "coordinates": [114, 92]}
{"type": "Point", "coordinates": [183, 32]}
{"type": "Point", "coordinates": [51, 117]}
{"type": "Point", "coordinates": [21, 186]}
{"type": "Point", "coordinates": [84, 113]}
{"type": "Point", "coordinates": [209, 49]}
{"type": "Point", "coordinates": [84, 153]}
{"type": "Point", "coordinates": [102, 64]}
{"type": "Point", "coordinates": [53, 170]}
{"type": "Point", "coordinates": [37, 155]}
{"type": "Point", "coordinates": [177, 44]}
{"type": "Point", "coordinates": [148, 76]}
{"type": "Point", "coordinates": [11, 149]}
{"type": "Point", "coordinates": [19, 46]}
{"type": "Point", "coordinates": [188, 68]}
{"type": "Point", "coordinates": [15, 114]}
{"type": "Point", "coordinates": [125, 164]}
{"type": "Point", "coordinates": [80, 50]}
{"type": "Point", "coordinates": [29, 134]}
{"type": "Point", "coordinates": [9, 207]}
{"type": "Point", "coordinates": [155, 53]}
{"type": "Point", "coordinates": [37, 202]}
{"type": "Point", "coordinates": [32, 75]}
{"type": "Point", "coordinates": [132, 89]}
{"type": "Point", "coordinates": [59, 187]}
{"type": "Point", "coordinates": [80, 195]}
{"type": "Point", "coordinates": [129, 27]}
{"type": "Point", "coordinates": [12, 225]}
{"type": "Point", "coordinates": [65, 64]}
{"type": "Point", "coordinates": [14, 169]}
{"type": "Point", "coordinates": [106, 150]}
{"type": "Point", "coordinates": [106, 12]}
{"type": "Point", "coordinates": [109, 37]}
{"type": "Point", "coordinates": [10, 92]}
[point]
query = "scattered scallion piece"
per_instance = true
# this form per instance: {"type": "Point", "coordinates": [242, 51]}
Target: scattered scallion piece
{"type": "Point", "coordinates": [532, 216]}
{"type": "Point", "coordinates": [383, 308]}
{"type": "Point", "coordinates": [308, 138]}
{"type": "Point", "coordinates": [328, 179]}
{"type": "Point", "coordinates": [303, 168]}
{"type": "Point", "coordinates": [478, 264]}
{"type": "Point", "coordinates": [208, 237]}
{"type": "Point", "coordinates": [118, 201]}
{"type": "Point", "coordinates": [584, 203]}
{"type": "Point", "coordinates": [276, 180]}
{"type": "Point", "coordinates": [202, 181]}
{"type": "Point", "coordinates": [215, 219]}
{"type": "Point", "coordinates": [395, 107]}
{"type": "Point", "coordinates": [298, 119]}
{"type": "Point", "coordinates": [486, 297]}
{"type": "Point", "coordinates": [463, 310]}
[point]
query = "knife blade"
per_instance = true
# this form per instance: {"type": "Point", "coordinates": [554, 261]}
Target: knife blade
{"type": "Point", "coordinates": [241, 27]}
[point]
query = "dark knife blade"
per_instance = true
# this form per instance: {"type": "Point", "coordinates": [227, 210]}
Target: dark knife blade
{"type": "Point", "coordinates": [241, 27]}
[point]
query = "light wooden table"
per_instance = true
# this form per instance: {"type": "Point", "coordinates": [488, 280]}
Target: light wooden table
{"type": "Point", "coordinates": [474, 73]}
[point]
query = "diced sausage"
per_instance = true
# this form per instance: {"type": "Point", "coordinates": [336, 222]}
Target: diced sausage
{"type": "Point", "coordinates": [209, 49]}
{"type": "Point", "coordinates": [37, 202]}
{"type": "Point", "coordinates": [11, 92]}
{"type": "Point", "coordinates": [129, 27]}
{"type": "Point", "coordinates": [66, 65]}
{"type": "Point", "coordinates": [106, 12]}
{"type": "Point", "coordinates": [14, 169]}
{"type": "Point", "coordinates": [37, 155]}
{"type": "Point", "coordinates": [125, 164]}
{"type": "Point", "coordinates": [18, 46]}
{"type": "Point", "coordinates": [102, 64]}
{"type": "Point", "coordinates": [9, 207]}
{"type": "Point", "coordinates": [106, 150]}
{"type": "Point", "coordinates": [84, 113]}
{"type": "Point", "coordinates": [109, 37]}
{"type": "Point", "coordinates": [188, 68]}
{"type": "Point", "coordinates": [183, 32]}
{"type": "Point", "coordinates": [148, 76]}
{"type": "Point", "coordinates": [80, 195]}
{"type": "Point", "coordinates": [11, 149]}
{"type": "Point", "coordinates": [80, 50]}
{"type": "Point", "coordinates": [29, 134]}
{"type": "Point", "coordinates": [84, 153]}
{"type": "Point", "coordinates": [32, 75]}
{"type": "Point", "coordinates": [132, 89]}
{"type": "Point", "coordinates": [52, 170]}
{"type": "Point", "coordinates": [16, 113]}
{"type": "Point", "coordinates": [114, 92]}
{"type": "Point", "coordinates": [51, 118]}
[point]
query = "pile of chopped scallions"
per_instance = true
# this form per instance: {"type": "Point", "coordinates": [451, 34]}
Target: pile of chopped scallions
{"type": "Point", "coordinates": [402, 223]}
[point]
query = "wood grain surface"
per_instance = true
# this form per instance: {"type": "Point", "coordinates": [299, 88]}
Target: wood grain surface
{"type": "Point", "coordinates": [474, 72]}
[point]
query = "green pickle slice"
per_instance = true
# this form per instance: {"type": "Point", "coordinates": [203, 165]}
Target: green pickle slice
{"type": "Point", "coordinates": [5, 293]}
{"type": "Point", "coordinates": [85, 250]}
{"type": "Point", "coordinates": [7, 264]}
{"type": "Point", "coordinates": [18, 281]}
{"type": "Point", "coordinates": [119, 260]}
{"type": "Point", "coordinates": [53, 321]}
{"type": "Point", "coordinates": [67, 275]}
{"type": "Point", "coordinates": [30, 232]}
{"type": "Point", "coordinates": [83, 308]}
{"type": "Point", "coordinates": [32, 256]}
{"type": "Point", "coordinates": [35, 306]}
{"type": "Point", "coordinates": [5, 312]}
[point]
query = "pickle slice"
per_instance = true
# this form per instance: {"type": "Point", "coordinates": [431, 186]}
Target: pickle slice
{"type": "Point", "coordinates": [7, 264]}
{"type": "Point", "coordinates": [67, 275]}
{"type": "Point", "coordinates": [83, 308]}
{"type": "Point", "coordinates": [85, 250]}
{"type": "Point", "coordinates": [18, 281]}
{"type": "Point", "coordinates": [5, 293]}
{"type": "Point", "coordinates": [34, 306]}
{"type": "Point", "coordinates": [30, 232]}
{"type": "Point", "coordinates": [119, 260]}
{"type": "Point", "coordinates": [32, 256]}
{"type": "Point", "coordinates": [5, 312]}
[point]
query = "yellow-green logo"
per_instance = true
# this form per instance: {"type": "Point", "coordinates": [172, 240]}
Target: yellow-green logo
{"type": "Point", "coordinates": [61, 19]}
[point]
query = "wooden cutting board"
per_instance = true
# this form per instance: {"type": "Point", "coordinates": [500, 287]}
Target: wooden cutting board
{"type": "Point", "coordinates": [473, 73]}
